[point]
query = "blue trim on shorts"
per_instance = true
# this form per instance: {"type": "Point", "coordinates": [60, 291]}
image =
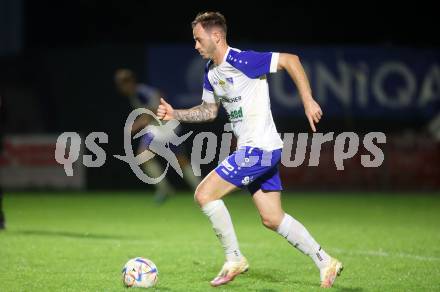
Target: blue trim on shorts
{"type": "Point", "coordinates": [252, 168]}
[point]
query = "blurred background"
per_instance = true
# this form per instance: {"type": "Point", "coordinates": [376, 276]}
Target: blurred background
{"type": "Point", "coordinates": [373, 68]}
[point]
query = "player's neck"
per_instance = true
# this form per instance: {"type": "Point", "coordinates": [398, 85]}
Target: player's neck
{"type": "Point", "coordinates": [220, 54]}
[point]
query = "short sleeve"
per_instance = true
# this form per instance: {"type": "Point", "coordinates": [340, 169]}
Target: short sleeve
{"type": "Point", "coordinates": [207, 84]}
{"type": "Point", "coordinates": [254, 64]}
{"type": "Point", "coordinates": [208, 96]}
{"type": "Point", "coordinates": [208, 90]}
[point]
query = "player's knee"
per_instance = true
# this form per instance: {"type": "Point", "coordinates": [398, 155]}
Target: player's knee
{"type": "Point", "coordinates": [201, 196]}
{"type": "Point", "coordinates": [271, 222]}
{"type": "Point", "coordinates": [268, 223]}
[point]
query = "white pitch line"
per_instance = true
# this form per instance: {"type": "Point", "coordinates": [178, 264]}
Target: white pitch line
{"type": "Point", "coordinates": [382, 253]}
{"type": "Point", "coordinates": [377, 253]}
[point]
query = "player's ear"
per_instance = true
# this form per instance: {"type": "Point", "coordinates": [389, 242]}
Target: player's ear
{"type": "Point", "coordinates": [216, 36]}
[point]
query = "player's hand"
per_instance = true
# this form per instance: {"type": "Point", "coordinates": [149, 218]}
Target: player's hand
{"type": "Point", "coordinates": [313, 112]}
{"type": "Point", "coordinates": [165, 111]}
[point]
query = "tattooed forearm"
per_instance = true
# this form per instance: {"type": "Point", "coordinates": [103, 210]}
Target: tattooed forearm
{"type": "Point", "coordinates": [198, 114]}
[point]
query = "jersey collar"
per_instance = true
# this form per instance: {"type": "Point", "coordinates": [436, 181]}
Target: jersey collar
{"type": "Point", "coordinates": [226, 54]}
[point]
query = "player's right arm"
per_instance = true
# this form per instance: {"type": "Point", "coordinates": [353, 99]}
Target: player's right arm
{"type": "Point", "coordinates": [204, 112]}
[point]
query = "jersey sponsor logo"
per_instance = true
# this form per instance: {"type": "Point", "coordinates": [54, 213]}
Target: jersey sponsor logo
{"type": "Point", "coordinates": [230, 100]}
{"type": "Point", "coordinates": [236, 114]}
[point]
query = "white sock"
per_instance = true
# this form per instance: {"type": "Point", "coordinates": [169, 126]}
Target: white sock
{"type": "Point", "coordinates": [223, 228]}
{"type": "Point", "coordinates": [297, 235]}
{"type": "Point", "coordinates": [153, 169]}
{"type": "Point", "coordinates": [189, 176]}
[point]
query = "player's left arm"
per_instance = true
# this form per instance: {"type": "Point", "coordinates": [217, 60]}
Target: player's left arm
{"type": "Point", "coordinates": [293, 66]}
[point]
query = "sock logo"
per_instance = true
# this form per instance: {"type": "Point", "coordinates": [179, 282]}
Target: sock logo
{"type": "Point", "coordinates": [319, 256]}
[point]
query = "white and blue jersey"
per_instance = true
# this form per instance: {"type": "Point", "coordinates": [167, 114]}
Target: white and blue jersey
{"type": "Point", "coordinates": [240, 84]}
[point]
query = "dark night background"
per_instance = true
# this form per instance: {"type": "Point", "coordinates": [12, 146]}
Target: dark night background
{"type": "Point", "coordinates": [81, 23]}
{"type": "Point", "coordinates": [57, 60]}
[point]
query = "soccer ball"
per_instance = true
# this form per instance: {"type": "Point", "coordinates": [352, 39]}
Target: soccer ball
{"type": "Point", "coordinates": [139, 272]}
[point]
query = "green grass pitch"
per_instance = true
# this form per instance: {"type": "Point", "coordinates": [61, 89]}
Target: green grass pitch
{"type": "Point", "coordinates": [80, 242]}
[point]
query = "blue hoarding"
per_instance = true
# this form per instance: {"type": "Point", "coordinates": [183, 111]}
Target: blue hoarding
{"type": "Point", "coordinates": [357, 81]}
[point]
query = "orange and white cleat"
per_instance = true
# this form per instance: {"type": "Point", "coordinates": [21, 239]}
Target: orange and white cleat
{"type": "Point", "coordinates": [329, 273]}
{"type": "Point", "coordinates": [229, 271]}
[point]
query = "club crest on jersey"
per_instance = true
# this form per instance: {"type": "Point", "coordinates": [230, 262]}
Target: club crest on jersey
{"type": "Point", "coordinates": [225, 85]}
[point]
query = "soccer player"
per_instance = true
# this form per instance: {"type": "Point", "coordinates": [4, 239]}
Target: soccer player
{"type": "Point", "coordinates": [237, 80]}
{"type": "Point", "coordinates": [142, 95]}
